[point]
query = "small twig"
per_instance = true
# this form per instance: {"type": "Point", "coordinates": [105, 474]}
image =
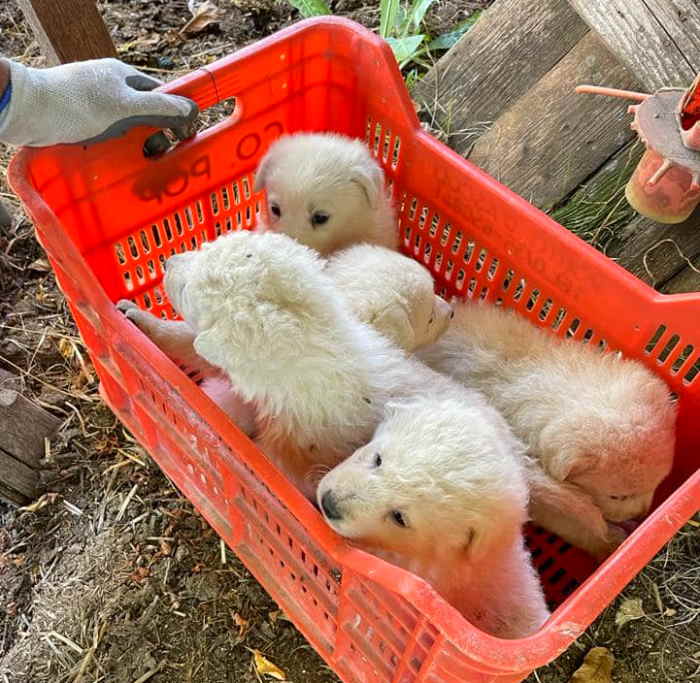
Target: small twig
{"type": "Point", "coordinates": [657, 597]}
{"type": "Point", "coordinates": [150, 674]}
{"type": "Point", "coordinates": [126, 502]}
{"type": "Point", "coordinates": [65, 641]}
{"type": "Point", "coordinates": [97, 636]}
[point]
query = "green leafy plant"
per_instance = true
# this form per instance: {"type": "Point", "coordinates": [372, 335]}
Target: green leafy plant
{"type": "Point", "coordinates": [401, 25]}
{"type": "Point", "coordinates": [310, 8]}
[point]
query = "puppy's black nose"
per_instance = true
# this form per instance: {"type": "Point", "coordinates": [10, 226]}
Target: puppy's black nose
{"type": "Point", "coordinates": [330, 506]}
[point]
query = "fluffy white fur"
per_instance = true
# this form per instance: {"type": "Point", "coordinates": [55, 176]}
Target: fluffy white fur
{"type": "Point", "coordinates": [441, 491]}
{"type": "Point", "coordinates": [326, 191]}
{"type": "Point", "coordinates": [392, 293]}
{"type": "Point", "coordinates": [602, 429]}
{"type": "Point", "coordinates": [262, 310]}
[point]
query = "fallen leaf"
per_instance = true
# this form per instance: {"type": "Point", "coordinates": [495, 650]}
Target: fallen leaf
{"type": "Point", "coordinates": [596, 668]}
{"type": "Point", "coordinates": [202, 16]}
{"type": "Point", "coordinates": [140, 574]}
{"type": "Point", "coordinates": [143, 41]}
{"type": "Point", "coordinates": [42, 502]}
{"type": "Point", "coordinates": [629, 611]}
{"type": "Point", "coordinates": [66, 349]}
{"type": "Point", "coordinates": [266, 668]}
{"type": "Point", "coordinates": [277, 614]}
{"type": "Point", "coordinates": [243, 624]}
{"type": "Point", "coordinates": [40, 264]}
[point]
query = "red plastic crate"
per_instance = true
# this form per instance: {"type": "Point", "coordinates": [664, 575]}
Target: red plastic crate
{"type": "Point", "coordinates": [108, 217]}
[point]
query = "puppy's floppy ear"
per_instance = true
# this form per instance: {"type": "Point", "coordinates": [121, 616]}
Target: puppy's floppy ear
{"type": "Point", "coordinates": [567, 464]}
{"type": "Point", "coordinates": [370, 177]}
{"type": "Point", "coordinates": [394, 322]}
{"type": "Point", "coordinates": [263, 169]}
{"type": "Point", "coordinates": [210, 345]}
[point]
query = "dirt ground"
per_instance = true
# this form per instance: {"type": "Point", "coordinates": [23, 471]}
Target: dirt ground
{"type": "Point", "coordinates": [117, 578]}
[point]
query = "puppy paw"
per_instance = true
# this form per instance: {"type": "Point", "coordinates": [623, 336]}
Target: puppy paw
{"type": "Point", "coordinates": [613, 539]}
{"type": "Point", "coordinates": [134, 314]}
{"type": "Point", "coordinates": [124, 305]}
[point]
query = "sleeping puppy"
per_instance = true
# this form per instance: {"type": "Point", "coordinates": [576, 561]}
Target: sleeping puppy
{"type": "Point", "coordinates": [326, 191]}
{"type": "Point", "coordinates": [601, 429]}
{"type": "Point", "coordinates": [392, 293]}
{"type": "Point", "coordinates": [442, 492]}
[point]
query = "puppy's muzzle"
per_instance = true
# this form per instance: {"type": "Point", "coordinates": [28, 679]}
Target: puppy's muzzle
{"type": "Point", "coordinates": [329, 505]}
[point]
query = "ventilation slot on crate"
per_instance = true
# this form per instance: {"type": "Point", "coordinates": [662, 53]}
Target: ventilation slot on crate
{"type": "Point", "coordinates": [573, 328]}
{"type": "Point", "coordinates": [682, 358]}
{"type": "Point", "coordinates": [668, 347]}
{"type": "Point", "coordinates": [693, 372]}
{"type": "Point", "coordinates": [546, 309]}
{"type": "Point", "coordinates": [434, 225]}
{"type": "Point", "coordinates": [396, 153]}
{"type": "Point", "coordinates": [444, 237]}
{"type": "Point", "coordinates": [468, 250]}
{"type": "Point", "coordinates": [493, 269]}
{"type": "Point", "coordinates": [532, 299]}
{"type": "Point", "coordinates": [654, 339]}
{"type": "Point", "coordinates": [558, 319]}
{"type": "Point", "coordinates": [481, 260]}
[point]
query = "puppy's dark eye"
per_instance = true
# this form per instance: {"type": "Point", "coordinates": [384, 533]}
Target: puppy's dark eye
{"type": "Point", "coordinates": [319, 218]}
{"type": "Point", "coordinates": [377, 460]}
{"type": "Point", "coordinates": [619, 497]}
{"type": "Point", "coordinates": [275, 210]}
{"type": "Point", "coordinates": [398, 518]}
{"type": "Point", "coordinates": [430, 322]}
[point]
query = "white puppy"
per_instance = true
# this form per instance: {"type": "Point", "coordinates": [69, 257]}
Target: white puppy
{"type": "Point", "coordinates": [442, 492]}
{"type": "Point", "coordinates": [602, 429]}
{"type": "Point", "coordinates": [392, 293]}
{"type": "Point", "coordinates": [262, 310]}
{"type": "Point", "coordinates": [326, 191]}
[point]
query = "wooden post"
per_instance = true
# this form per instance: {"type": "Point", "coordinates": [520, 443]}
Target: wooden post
{"type": "Point", "coordinates": [658, 40]}
{"type": "Point", "coordinates": [23, 428]}
{"type": "Point", "coordinates": [68, 31]}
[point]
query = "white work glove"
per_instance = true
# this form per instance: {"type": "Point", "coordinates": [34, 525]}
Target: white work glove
{"type": "Point", "coordinates": [87, 102]}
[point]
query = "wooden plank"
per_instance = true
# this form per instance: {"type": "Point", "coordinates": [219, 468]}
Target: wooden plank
{"type": "Point", "coordinates": [509, 49]}
{"type": "Point", "coordinates": [68, 31]}
{"type": "Point", "coordinates": [652, 44]}
{"type": "Point", "coordinates": [681, 20]}
{"type": "Point", "coordinates": [551, 140]}
{"type": "Point", "coordinates": [23, 425]}
{"type": "Point", "coordinates": [656, 253]}
{"type": "Point", "coordinates": [687, 280]}
{"type": "Point", "coordinates": [18, 483]}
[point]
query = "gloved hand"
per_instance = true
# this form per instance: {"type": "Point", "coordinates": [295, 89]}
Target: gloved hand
{"type": "Point", "coordinates": [87, 102]}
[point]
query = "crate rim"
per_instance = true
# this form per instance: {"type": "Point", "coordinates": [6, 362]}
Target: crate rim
{"type": "Point", "coordinates": [508, 656]}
